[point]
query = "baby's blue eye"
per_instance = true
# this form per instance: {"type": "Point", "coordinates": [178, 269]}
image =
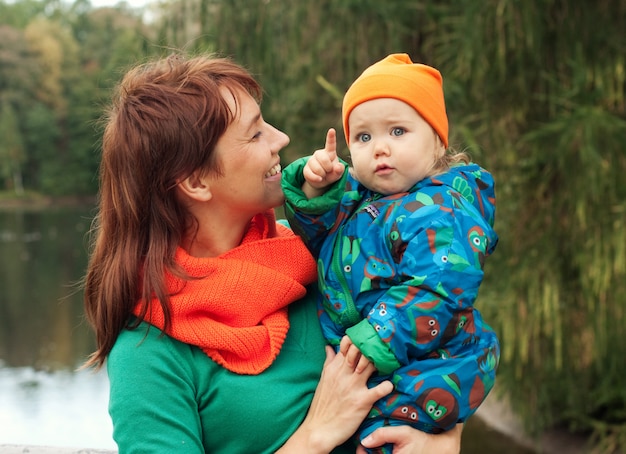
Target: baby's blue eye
{"type": "Point", "coordinates": [397, 131]}
{"type": "Point", "coordinates": [364, 137]}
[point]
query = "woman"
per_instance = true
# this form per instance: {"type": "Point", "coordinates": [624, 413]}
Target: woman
{"type": "Point", "coordinates": [197, 296]}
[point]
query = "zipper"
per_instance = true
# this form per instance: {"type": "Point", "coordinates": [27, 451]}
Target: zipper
{"type": "Point", "coordinates": [351, 315]}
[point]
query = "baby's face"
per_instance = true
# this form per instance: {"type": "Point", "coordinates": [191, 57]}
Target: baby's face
{"type": "Point", "coordinates": [392, 147]}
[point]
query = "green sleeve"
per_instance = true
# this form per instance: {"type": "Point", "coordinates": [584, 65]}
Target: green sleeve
{"type": "Point", "coordinates": [296, 199]}
{"type": "Point", "coordinates": [364, 336]}
{"type": "Point", "coordinates": [152, 400]}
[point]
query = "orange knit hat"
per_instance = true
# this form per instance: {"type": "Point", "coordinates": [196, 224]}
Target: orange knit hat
{"type": "Point", "coordinates": [396, 76]}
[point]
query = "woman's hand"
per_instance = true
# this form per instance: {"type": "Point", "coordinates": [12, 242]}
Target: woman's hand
{"type": "Point", "coordinates": [341, 401]}
{"type": "Point", "coordinates": [407, 440]}
{"type": "Point", "coordinates": [353, 355]}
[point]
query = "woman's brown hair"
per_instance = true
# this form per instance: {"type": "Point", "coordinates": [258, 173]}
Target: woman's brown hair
{"type": "Point", "coordinates": [163, 124]}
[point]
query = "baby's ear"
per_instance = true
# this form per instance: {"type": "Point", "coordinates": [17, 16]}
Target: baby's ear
{"type": "Point", "coordinates": [196, 187]}
{"type": "Point", "coordinates": [439, 141]}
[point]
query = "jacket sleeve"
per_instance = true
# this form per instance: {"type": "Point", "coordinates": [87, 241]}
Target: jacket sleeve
{"type": "Point", "coordinates": [429, 307]}
{"type": "Point", "coordinates": [310, 218]}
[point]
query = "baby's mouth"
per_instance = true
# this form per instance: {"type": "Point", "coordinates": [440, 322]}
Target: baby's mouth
{"type": "Point", "coordinates": [273, 171]}
{"type": "Point", "coordinates": [383, 168]}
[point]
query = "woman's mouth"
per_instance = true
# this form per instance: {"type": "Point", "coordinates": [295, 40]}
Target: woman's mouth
{"type": "Point", "coordinates": [273, 171]}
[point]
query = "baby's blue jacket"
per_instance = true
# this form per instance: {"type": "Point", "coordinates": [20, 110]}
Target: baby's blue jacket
{"type": "Point", "coordinates": [399, 274]}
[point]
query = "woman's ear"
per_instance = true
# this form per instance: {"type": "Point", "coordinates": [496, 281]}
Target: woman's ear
{"type": "Point", "coordinates": [196, 187]}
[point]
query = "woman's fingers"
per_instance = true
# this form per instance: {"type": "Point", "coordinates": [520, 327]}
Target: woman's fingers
{"type": "Point", "coordinates": [407, 440]}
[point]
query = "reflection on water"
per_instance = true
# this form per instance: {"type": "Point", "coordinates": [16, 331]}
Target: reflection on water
{"type": "Point", "coordinates": [42, 257]}
{"type": "Point", "coordinates": [44, 338]}
{"type": "Point", "coordinates": [62, 408]}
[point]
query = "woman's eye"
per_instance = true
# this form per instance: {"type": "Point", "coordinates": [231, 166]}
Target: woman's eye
{"type": "Point", "coordinates": [364, 137]}
{"type": "Point", "coordinates": [257, 135]}
{"type": "Point", "coordinates": [397, 131]}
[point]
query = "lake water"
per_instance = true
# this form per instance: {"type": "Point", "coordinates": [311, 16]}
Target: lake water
{"type": "Point", "coordinates": [59, 408]}
{"type": "Point", "coordinates": [44, 338]}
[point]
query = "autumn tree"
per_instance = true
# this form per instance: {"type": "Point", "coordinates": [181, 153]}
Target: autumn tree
{"type": "Point", "coordinates": [11, 149]}
{"type": "Point", "coordinates": [18, 78]}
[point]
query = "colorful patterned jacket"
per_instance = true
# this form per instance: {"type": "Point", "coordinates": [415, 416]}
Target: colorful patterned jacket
{"type": "Point", "coordinates": [400, 274]}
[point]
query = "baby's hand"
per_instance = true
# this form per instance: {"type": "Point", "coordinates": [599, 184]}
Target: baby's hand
{"type": "Point", "coordinates": [323, 168]}
{"type": "Point", "coordinates": [353, 355]}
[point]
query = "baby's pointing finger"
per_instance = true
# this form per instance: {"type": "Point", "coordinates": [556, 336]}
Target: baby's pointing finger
{"type": "Point", "coordinates": [331, 144]}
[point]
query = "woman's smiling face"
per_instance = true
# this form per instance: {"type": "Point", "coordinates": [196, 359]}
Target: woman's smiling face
{"type": "Point", "coordinates": [391, 146]}
{"type": "Point", "coordinates": [250, 177]}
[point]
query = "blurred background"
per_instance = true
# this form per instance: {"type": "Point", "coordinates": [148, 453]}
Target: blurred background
{"type": "Point", "coordinates": [535, 92]}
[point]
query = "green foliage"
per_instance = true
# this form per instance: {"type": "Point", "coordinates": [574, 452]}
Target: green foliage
{"type": "Point", "coordinates": [289, 45]}
{"type": "Point", "coordinates": [11, 149]}
{"type": "Point", "coordinates": [543, 93]}
{"type": "Point", "coordinates": [57, 64]}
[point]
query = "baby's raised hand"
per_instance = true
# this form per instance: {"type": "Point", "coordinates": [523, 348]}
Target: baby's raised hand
{"type": "Point", "coordinates": [353, 355]}
{"type": "Point", "coordinates": [323, 168]}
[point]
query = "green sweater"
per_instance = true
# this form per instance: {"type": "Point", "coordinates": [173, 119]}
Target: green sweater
{"type": "Point", "coordinates": [170, 397]}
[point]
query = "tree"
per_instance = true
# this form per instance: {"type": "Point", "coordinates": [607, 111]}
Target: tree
{"type": "Point", "coordinates": [542, 89]}
{"type": "Point", "coordinates": [11, 149]}
{"type": "Point", "coordinates": [18, 75]}
{"type": "Point", "coordinates": [55, 51]}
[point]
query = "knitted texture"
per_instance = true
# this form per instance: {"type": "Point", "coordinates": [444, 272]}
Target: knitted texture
{"type": "Point", "coordinates": [397, 77]}
{"type": "Point", "coordinates": [235, 306]}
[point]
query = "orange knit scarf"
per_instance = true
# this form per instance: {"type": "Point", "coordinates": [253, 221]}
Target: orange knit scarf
{"type": "Point", "coordinates": [236, 308]}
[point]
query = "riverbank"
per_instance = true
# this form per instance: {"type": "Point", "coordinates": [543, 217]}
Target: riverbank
{"type": "Point", "coordinates": [33, 201]}
{"type": "Point", "coordinates": [19, 449]}
{"type": "Point", "coordinates": [497, 414]}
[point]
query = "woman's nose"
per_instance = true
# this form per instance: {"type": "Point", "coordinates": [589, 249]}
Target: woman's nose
{"type": "Point", "coordinates": [280, 140]}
